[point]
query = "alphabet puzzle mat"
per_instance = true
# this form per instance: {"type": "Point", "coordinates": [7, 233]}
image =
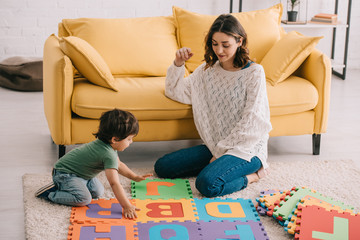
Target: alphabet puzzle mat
{"type": "Point", "coordinates": [168, 211]}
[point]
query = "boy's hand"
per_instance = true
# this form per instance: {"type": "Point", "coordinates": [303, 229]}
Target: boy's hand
{"type": "Point", "coordinates": [130, 211]}
{"type": "Point", "coordinates": [138, 178]}
{"type": "Point", "coordinates": [182, 55]}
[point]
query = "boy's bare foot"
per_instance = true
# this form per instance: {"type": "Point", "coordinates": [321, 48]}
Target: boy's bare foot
{"type": "Point", "coordinates": [252, 178]}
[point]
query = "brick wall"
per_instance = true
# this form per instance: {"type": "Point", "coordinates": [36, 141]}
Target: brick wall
{"type": "Point", "coordinates": [25, 24]}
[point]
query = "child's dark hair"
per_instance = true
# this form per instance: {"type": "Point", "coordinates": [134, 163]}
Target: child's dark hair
{"type": "Point", "coordinates": [117, 123]}
{"type": "Point", "coordinates": [228, 24]}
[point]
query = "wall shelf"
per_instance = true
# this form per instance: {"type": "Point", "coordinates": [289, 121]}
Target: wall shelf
{"type": "Point", "coordinates": [309, 25]}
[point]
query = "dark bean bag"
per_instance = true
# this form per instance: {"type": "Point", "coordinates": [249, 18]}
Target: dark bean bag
{"type": "Point", "coordinates": [22, 73]}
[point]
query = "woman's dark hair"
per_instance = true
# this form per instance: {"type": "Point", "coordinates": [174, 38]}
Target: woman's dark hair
{"type": "Point", "coordinates": [117, 123]}
{"type": "Point", "coordinates": [228, 24]}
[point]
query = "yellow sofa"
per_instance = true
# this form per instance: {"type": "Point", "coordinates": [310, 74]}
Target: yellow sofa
{"type": "Point", "coordinates": [95, 65]}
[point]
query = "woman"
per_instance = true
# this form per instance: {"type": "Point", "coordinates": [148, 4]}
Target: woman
{"type": "Point", "coordinates": [230, 109]}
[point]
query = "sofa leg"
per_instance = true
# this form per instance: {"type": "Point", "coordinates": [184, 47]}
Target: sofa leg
{"type": "Point", "coordinates": [316, 143]}
{"type": "Point", "coordinates": [62, 149]}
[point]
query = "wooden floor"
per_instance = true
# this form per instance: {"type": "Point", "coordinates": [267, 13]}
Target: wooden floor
{"type": "Point", "coordinates": [26, 147]}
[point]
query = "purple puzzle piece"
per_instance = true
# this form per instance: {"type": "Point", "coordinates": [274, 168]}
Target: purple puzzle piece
{"type": "Point", "coordinates": [88, 232]}
{"type": "Point", "coordinates": [94, 209]}
{"type": "Point", "coordinates": [167, 230]}
{"type": "Point", "coordinates": [233, 230]}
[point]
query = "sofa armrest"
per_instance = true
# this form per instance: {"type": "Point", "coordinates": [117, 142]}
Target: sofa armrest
{"type": "Point", "coordinates": [317, 69]}
{"type": "Point", "coordinates": [58, 82]}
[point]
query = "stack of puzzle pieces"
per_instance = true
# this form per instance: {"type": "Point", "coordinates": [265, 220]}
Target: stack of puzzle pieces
{"type": "Point", "coordinates": [308, 214]}
{"type": "Point", "coordinates": [167, 211]}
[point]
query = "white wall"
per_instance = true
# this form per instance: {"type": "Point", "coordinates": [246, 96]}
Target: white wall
{"type": "Point", "coordinates": [25, 24]}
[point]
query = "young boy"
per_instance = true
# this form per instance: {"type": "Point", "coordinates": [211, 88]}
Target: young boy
{"type": "Point", "coordinates": [74, 175]}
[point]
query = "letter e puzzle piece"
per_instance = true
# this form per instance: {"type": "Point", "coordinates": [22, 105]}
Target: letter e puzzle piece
{"type": "Point", "coordinates": [161, 189]}
{"type": "Point", "coordinates": [226, 209]}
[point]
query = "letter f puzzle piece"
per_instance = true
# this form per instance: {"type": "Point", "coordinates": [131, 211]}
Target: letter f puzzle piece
{"type": "Point", "coordinates": [318, 223]}
{"type": "Point", "coordinates": [161, 189]}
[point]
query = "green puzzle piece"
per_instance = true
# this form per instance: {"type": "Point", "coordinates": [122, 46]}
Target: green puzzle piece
{"type": "Point", "coordinates": [161, 189]}
{"type": "Point", "coordinates": [286, 207]}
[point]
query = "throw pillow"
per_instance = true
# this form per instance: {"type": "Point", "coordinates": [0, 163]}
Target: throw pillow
{"type": "Point", "coordinates": [88, 61]}
{"type": "Point", "coordinates": [287, 55]}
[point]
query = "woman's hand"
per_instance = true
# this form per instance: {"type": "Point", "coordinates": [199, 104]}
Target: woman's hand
{"type": "Point", "coordinates": [182, 55]}
{"type": "Point", "coordinates": [130, 211]}
{"type": "Point", "coordinates": [212, 159]}
{"type": "Point", "coordinates": [138, 178]}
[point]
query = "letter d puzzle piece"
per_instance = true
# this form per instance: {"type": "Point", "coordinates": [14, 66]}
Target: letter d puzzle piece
{"type": "Point", "coordinates": [226, 209]}
{"type": "Point", "coordinates": [161, 189]}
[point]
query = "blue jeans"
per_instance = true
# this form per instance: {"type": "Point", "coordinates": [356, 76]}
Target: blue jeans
{"type": "Point", "coordinates": [73, 190]}
{"type": "Point", "coordinates": [225, 175]}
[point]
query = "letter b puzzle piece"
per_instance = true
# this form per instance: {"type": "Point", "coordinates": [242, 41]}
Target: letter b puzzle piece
{"type": "Point", "coordinates": [166, 210]}
{"type": "Point", "coordinates": [226, 209]}
{"type": "Point", "coordinates": [161, 189]}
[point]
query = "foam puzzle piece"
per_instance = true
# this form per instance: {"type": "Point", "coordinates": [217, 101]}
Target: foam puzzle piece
{"type": "Point", "coordinates": [291, 224]}
{"type": "Point", "coordinates": [226, 209]}
{"type": "Point", "coordinates": [233, 230]}
{"type": "Point", "coordinates": [114, 231]}
{"type": "Point", "coordinates": [166, 210]}
{"type": "Point", "coordinates": [161, 189]}
{"type": "Point", "coordinates": [283, 211]}
{"type": "Point", "coordinates": [168, 230]}
{"type": "Point", "coordinates": [318, 223]}
{"type": "Point", "coordinates": [100, 210]}
{"type": "Point", "coordinates": [269, 199]}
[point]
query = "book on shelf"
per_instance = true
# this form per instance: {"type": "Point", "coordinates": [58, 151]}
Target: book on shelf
{"type": "Point", "coordinates": [326, 15]}
{"type": "Point", "coordinates": [323, 20]}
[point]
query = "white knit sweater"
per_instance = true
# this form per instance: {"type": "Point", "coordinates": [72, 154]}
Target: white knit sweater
{"type": "Point", "coordinates": [230, 109]}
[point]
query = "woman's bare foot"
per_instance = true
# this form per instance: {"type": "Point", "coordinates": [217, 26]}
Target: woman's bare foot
{"type": "Point", "coordinates": [262, 172]}
{"type": "Point", "coordinates": [252, 178]}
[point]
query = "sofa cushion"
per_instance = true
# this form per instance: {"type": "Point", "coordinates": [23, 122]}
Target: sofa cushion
{"type": "Point", "coordinates": [287, 55]}
{"type": "Point", "coordinates": [88, 61]}
{"type": "Point", "coordinates": [262, 27]}
{"type": "Point", "coordinates": [295, 95]}
{"type": "Point", "coordinates": [131, 46]}
{"type": "Point", "coordinates": [144, 97]}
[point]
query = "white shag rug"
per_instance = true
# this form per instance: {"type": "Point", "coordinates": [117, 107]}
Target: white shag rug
{"type": "Point", "coordinates": [337, 179]}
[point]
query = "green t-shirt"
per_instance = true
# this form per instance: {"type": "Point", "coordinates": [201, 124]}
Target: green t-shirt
{"type": "Point", "coordinates": [88, 160]}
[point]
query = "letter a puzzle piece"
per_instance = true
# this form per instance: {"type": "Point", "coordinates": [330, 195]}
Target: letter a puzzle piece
{"type": "Point", "coordinates": [318, 223]}
{"type": "Point", "coordinates": [226, 209]}
{"type": "Point", "coordinates": [169, 230]}
{"type": "Point", "coordinates": [118, 231]}
{"type": "Point", "coordinates": [166, 210]}
{"type": "Point", "coordinates": [100, 210]}
{"type": "Point", "coordinates": [233, 230]}
{"type": "Point", "coordinates": [161, 189]}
